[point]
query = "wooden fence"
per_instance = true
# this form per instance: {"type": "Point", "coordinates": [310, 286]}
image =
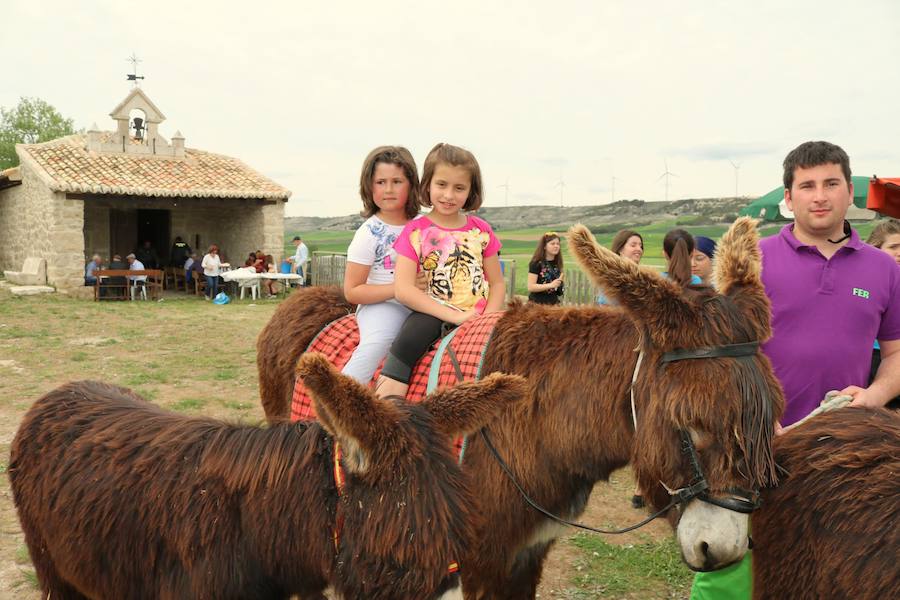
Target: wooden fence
{"type": "Point", "coordinates": [579, 288]}
{"type": "Point", "coordinates": [327, 268]}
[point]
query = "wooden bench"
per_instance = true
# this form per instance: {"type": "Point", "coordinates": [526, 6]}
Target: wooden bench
{"type": "Point", "coordinates": [114, 284]}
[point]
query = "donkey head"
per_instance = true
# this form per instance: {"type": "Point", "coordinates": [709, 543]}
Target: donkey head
{"type": "Point", "coordinates": [406, 509]}
{"type": "Point", "coordinates": [705, 396]}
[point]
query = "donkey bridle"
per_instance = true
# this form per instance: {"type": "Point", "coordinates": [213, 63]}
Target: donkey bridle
{"type": "Point", "coordinates": [740, 500]}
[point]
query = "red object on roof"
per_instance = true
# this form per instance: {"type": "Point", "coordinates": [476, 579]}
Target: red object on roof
{"type": "Point", "coordinates": [884, 196]}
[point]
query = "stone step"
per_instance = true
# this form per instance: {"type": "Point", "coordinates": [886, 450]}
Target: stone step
{"type": "Point", "coordinates": [30, 290]}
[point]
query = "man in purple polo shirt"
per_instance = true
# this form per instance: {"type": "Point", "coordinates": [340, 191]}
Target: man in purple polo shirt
{"type": "Point", "coordinates": [832, 295]}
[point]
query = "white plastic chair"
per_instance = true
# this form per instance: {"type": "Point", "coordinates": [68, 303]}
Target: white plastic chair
{"type": "Point", "coordinates": [249, 283]}
{"type": "Point", "coordinates": [138, 285]}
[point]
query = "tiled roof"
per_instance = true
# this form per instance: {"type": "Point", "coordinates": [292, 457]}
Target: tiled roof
{"type": "Point", "coordinates": [70, 167]}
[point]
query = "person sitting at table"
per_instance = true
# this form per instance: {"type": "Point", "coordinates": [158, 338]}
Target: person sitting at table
{"type": "Point", "coordinates": [251, 260]}
{"type": "Point", "coordinates": [269, 284]}
{"type": "Point", "coordinates": [260, 263]}
{"type": "Point", "coordinates": [114, 287]}
{"type": "Point", "coordinates": [95, 264]}
{"type": "Point", "coordinates": [138, 281]}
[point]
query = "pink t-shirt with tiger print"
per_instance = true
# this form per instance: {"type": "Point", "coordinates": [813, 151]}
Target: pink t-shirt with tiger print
{"type": "Point", "coordinates": [453, 259]}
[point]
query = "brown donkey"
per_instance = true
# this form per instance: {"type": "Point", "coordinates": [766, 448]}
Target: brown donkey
{"type": "Point", "coordinates": [121, 499]}
{"type": "Point", "coordinates": [831, 529]}
{"type": "Point", "coordinates": [576, 426]}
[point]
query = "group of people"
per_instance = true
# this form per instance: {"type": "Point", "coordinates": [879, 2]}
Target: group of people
{"type": "Point", "coordinates": [688, 259]}
{"type": "Point", "coordinates": [116, 264]}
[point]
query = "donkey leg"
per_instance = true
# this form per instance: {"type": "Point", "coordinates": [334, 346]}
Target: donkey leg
{"type": "Point", "coordinates": [521, 581]}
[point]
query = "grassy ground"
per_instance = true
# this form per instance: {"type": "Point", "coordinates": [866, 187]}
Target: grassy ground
{"type": "Point", "coordinates": [519, 244]}
{"type": "Point", "coordinates": [198, 358]}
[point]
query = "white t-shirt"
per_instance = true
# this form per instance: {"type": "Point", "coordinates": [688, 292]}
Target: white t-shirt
{"type": "Point", "coordinates": [373, 246]}
{"type": "Point", "coordinates": [211, 265]}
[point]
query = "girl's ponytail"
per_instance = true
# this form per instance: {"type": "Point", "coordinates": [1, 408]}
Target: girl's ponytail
{"type": "Point", "coordinates": [678, 246]}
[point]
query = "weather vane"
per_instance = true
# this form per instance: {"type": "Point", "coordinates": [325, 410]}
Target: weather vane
{"type": "Point", "coordinates": [134, 60]}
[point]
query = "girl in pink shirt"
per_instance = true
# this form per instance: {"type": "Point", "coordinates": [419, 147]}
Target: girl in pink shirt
{"type": "Point", "coordinates": [459, 254]}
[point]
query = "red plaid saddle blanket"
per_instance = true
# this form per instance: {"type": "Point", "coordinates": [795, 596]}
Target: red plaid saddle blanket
{"type": "Point", "coordinates": [469, 342]}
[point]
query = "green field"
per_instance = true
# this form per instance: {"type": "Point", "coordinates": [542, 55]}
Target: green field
{"type": "Point", "coordinates": [519, 244]}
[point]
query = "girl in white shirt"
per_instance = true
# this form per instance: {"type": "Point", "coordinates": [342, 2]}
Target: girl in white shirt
{"type": "Point", "coordinates": [389, 188]}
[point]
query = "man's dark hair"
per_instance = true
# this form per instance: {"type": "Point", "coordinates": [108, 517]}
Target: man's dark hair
{"type": "Point", "coordinates": [813, 154]}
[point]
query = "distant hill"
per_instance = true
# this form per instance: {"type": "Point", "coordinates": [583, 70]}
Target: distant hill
{"type": "Point", "coordinates": [694, 211]}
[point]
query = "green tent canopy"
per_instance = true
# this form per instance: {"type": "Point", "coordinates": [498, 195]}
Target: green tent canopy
{"type": "Point", "coordinates": [767, 207]}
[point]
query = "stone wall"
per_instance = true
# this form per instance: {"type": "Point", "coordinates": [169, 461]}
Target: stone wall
{"type": "Point", "coordinates": [36, 221]}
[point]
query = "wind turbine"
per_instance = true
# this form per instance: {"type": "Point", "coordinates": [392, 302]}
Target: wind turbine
{"type": "Point", "coordinates": [737, 167]}
{"type": "Point", "coordinates": [561, 184]}
{"type": "Point", "coordinates": [505, 186]}
{"type": "Point", "coordinates": [666, 174]}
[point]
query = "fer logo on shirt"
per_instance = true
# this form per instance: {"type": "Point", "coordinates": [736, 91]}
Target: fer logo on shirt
{"type": "Point", "coordinates": [861, 293]}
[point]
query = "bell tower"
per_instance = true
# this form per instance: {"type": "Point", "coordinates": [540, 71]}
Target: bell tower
{"type": "Point", "coordinates": [137, 130]}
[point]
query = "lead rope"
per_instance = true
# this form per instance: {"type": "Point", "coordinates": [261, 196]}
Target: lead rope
{"type": "Point", "coordinates": [637, 368]}
{"type": "Point", "coordinates": [677, 495]}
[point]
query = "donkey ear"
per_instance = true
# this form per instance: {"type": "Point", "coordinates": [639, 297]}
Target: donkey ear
{"type": "Point", "coordinates": [349, 411]}
{"type": "Point", "coordinates": [738, 261]}
{"type": "Point", "coordinates": [467, 407]}
{"type": "Point", "coordinates": [738, 273]}
{"type": "Point", "coordinates": [645, 294]}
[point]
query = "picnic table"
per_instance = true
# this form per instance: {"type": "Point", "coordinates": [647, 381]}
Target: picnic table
{"type": "Point", "coordinates": [114, 284]}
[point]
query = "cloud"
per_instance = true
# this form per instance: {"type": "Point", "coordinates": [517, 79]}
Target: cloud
{"type": "Point", "coordinates": [724, 151]}
{"type": "Point", "coordinates": [554, 161]}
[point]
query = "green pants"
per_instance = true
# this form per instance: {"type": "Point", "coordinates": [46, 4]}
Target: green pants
{"type": "Point", "coordinates": [731, 583]}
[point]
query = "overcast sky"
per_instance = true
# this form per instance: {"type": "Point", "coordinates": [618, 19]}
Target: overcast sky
{"type": "Point", "coordinates": [541, 92]}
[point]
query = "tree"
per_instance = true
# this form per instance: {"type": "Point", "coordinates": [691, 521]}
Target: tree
{"type": "Point", "coordinates": [31, 121]}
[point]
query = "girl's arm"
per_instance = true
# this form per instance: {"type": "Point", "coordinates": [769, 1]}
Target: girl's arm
{"type": "Point", "coordinates": [357, 291]}
{"type": "Point", "coordinates": [497, 295]}
{"type": "Point", "coordinates": [534, 286]}
{"type": "Point", "coordinates": [406, 292]}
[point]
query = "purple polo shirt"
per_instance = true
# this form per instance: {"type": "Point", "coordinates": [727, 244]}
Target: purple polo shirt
{"type": "Point", "coordinates": [825, 315]}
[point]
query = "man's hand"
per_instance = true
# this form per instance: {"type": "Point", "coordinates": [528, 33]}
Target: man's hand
{"type": "Point", "coordinates": [861, 397]}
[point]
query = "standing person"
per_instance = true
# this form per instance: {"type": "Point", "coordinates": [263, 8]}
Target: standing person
{"type": "Point", "coordinates": [627, 244]}
{"type": "Point", "coordinates": [831, 295]}
{"type": "Point", "coordinates": [678, 246]}
{"type": "Point", "coordinates": [212, 265]}
{"type": "Point", "coordinates": [298, 260]}
{"type": "Point", "coordinates": [702, 257]}
{"type": "Point", "coordinates": [95, 264]}
{"type": "Point", "coordinates": [459, 254]}
{"type": "Point", "coordinates": [885, 237]}
{"type": "Point", "coordinates": [179, 253]}
{"type": "Point", "coordinates": [545, 271]}
{"type": "Point", "coordinates": [389, 189]}
{"type": "Point", "coordinates": [146, 255]}
{"type": "Point", "coordinates": [630, 245]}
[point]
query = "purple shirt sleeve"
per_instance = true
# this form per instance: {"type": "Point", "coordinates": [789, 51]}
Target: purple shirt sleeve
{"type": "Point", "coordinates": [890, 319]}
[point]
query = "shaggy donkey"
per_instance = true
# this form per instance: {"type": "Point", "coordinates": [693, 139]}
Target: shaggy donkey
{"type": "Point", "coordinates": [831, 529]}
{"type": "Point", "coordinates": [121, 499]}
{"type": "Point", "coordinates": [576, 426]}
